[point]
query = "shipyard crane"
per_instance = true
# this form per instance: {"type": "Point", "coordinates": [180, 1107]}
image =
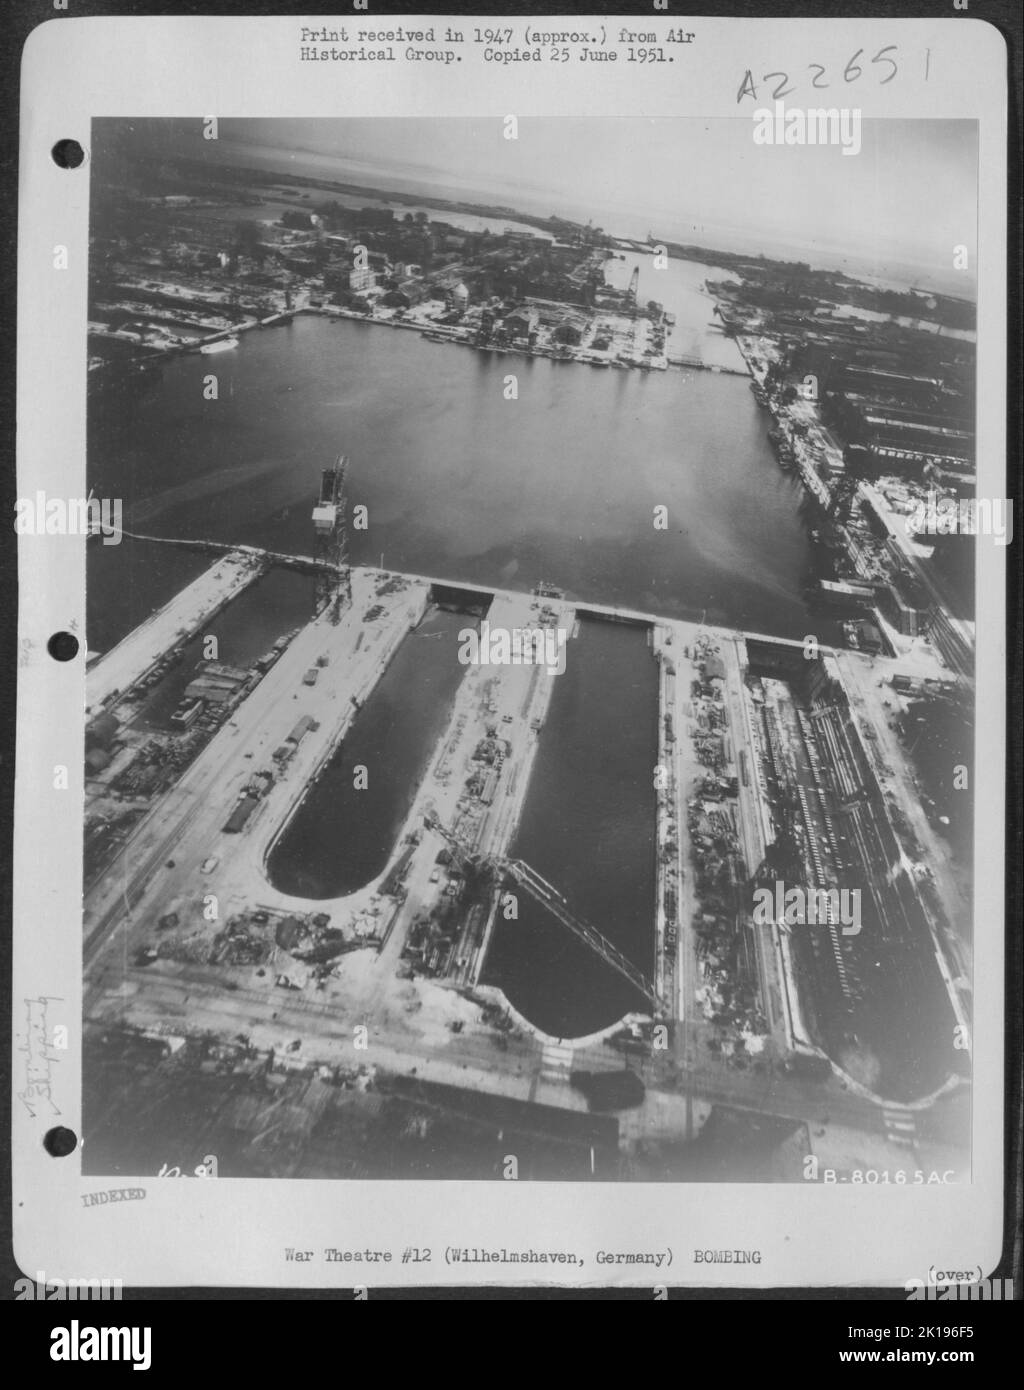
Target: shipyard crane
{"type": "Point", "coordinates": [548, 896]}
{"type": "Point", "coordinates": [330, 538]}
{"type": "Point", "coordinates": [634, 286]}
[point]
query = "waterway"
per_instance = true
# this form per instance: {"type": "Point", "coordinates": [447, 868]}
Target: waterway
{"type": "Point", "coordinates": [343, 835]}
{"type": "Point", "coordinates": [588, 827]}
{"type": "Point", "coordinates": [459, 481]}
{"type": "Point", "coordinates": [278, 602]}
{"type": "Point", "coordinates": [680, 288]}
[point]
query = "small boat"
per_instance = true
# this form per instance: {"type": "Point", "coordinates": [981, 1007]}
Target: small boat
{"type": "Point", "coordinates": [221, 345]}
{"type": "Point", "coordinates": [545, 589]}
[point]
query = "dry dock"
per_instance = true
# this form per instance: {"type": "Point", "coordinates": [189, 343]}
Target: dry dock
{"type": "Point", "coordinates": [424, 1013]}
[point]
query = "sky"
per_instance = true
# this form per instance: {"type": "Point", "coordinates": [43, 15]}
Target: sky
{"type": "Point", "coordinates": [908, 196]}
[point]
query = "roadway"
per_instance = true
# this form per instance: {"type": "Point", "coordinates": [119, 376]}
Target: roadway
{"type": "Point", "coordinates": [191, 1000]}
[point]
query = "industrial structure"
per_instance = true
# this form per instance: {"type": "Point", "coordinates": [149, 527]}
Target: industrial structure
{"type": "Point", "coordinates": [549, 897]}
{"type": "Point", "coordinates": [330, 536]}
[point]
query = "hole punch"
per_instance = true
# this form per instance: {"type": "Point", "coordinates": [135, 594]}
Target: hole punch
{"type": "Point", "coordinates": [63, 646]}
{"type": "Point", "coordinates": [60, 1141]}
{"type": "Point", "coordinates": [67, 154]}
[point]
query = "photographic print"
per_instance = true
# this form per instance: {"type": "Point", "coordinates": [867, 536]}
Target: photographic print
{"type": "Point", "coordinates": [530, 669]}
{"type": "Point", "coordinates": [511, 653]}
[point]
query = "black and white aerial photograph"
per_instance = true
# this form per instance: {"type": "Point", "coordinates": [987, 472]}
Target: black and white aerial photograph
{"type": "Point", "coordinates": [531, 648]}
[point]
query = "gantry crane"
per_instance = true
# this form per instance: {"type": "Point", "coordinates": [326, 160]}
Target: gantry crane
{"type": "Point", "coordinates": [548, 896]}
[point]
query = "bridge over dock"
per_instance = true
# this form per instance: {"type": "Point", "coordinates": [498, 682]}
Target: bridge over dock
{"type": "Point", "coordinates": [612, 612]}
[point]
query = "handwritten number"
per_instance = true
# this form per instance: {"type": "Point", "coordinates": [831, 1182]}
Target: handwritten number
{"type": "Point", "coordinates": [880, 58]}
{"type": "Point", "coordinates": [781, 90]}
{"type": "Point", "coordinates": [851, 73]}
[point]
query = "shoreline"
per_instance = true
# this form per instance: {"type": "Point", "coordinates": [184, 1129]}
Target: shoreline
{"type": "Point", "coordinates": [437, 333]}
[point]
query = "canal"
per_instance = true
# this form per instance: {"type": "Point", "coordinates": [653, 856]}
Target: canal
{"type": "Point", "coordinates": [680, 288]}
{"type": "Point", "coordinates": [588, 827]}
{"type": "Point", "coordinates": [342, 835]}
